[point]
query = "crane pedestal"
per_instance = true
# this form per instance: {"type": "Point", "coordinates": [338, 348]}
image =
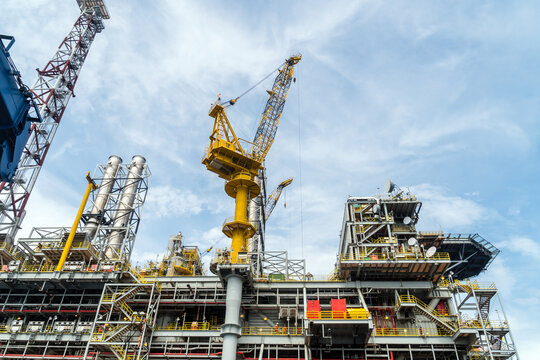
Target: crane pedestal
{"type": "Point", "coordinates": [242, 188]}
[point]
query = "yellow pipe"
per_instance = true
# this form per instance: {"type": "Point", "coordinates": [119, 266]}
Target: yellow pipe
{"type": "Point", "coordinates": [240, 214]}
{"type": "Point", "coordinates": [91, 186]}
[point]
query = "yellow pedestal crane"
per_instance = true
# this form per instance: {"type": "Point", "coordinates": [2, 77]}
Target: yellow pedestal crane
{"type": "Point", "coordinates": [239, 165]}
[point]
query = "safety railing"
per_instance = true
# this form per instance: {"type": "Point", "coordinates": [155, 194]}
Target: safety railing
{"type": "Point", "coordinates": [469, 285]}
{"type": "Point", "coordinates": [121, 353]}
{"type": "Point", "coordinates": [443, 283]}
{"type": "Point", "coordinates": [129, 311]}
{"type": "Point", "coordinates": [223, 257]}
{"type": "Point", "coordinates": [191, 326]}
{"type": "Point", "coordinates": [38, 268]}
{"type": "Point", "coordinates": [430, 233]}
{"type": "Point", "coordinates": [385, 240]}
{"type": "Point", "coordinates": [4, 328]}
{"type": "Point", "coordinates": [12, 250]}
{"type": "Point", "coordinates": [4, 245]}
{"type": "Point", "coordinates": [403, 228]}
{"type": "Point", "coordinates": [110, 297]}
{"type": "Point", "coordinates": [411, 299]}
{"type": "Point", "coordinates": [478, 355]}
{"type": "Point", "coordinates": [332, 276]}
{"type": "Point", "coordinates": [350, 314]}
{"type": "Point", "coordinates": [269, 330]}
{"type": "Point", "coordinates": [397, 256]}
{"type": "Point", "coordinates": [468, 322]}
{"type": "Point", "coordinates": [105, 332]}
{"type": "Point", "coordinates": [409, 332]}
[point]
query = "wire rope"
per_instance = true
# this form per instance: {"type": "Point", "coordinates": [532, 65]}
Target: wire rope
{"type": "Point", "coordinates": [300, 173]}
{"type": "Point", "coordinates": [233, 101]}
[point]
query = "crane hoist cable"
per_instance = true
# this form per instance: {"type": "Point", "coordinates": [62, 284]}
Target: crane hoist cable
{"type": "Point", "coordinates": [274, 197]}
{"type": "Point", "coordinates": [233, 101]}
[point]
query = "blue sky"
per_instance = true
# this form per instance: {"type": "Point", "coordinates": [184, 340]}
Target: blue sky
{"type": "Point", "coordinates": [440, 97]}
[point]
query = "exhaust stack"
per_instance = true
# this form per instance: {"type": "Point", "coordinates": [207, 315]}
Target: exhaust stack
{"type": "Point", "coordinates": [103, 193]}
{"type": "Point", "coordinates": [125, 208]}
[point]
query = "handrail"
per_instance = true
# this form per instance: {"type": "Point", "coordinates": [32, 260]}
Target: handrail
{"type": "Point", "coordinates": [409, 332]}
{"type": "Point", "coordinates": [398, 256]}
{"type": "Point", "coordinates": [443, 317]}
{"type": "Point", "coordinates": [269, 330]}
{"type": "Point", "coordinates": [190, 325]}
{"type": "Point", "coordinates": [411, 299]}
{"type": "Point", "coordinates": [469, 285]}
{"type": "Point", "coordinates": [350, 314]}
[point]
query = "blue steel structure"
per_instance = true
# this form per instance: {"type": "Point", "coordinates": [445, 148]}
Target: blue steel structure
{"type": "Point", "coordinates": [15, 103]}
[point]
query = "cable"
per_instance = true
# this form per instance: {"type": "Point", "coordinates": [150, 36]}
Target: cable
{"type": "Point", "coordinates": [300, 174]}
{"type": "Point", "coordinates": [233, 101]}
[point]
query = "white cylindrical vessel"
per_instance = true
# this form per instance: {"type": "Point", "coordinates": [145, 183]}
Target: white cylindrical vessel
{"type": "Point", "coordinates": [254, 219]}
{"type": "Point", "coordinates": [125, 208]}
{"type": "Point", "coordinates": [231, 330]}
{"type": "Point", "coordinates": [103, 192]}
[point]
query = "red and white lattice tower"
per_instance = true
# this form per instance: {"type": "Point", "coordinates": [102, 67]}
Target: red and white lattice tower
{"type": "Point", "coordinates": [52, 91]}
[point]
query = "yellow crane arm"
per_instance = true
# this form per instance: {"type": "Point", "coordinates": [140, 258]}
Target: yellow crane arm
{"type": "Point", "coordinates": [274, 197]}
{"type": "Point", "coordinates": [274, 107]}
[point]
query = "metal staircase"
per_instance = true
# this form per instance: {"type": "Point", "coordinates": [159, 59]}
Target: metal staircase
{"type": "Point", "coordinates": [125, 320]}
{"type": "Point", "coordinates": [444, 321]}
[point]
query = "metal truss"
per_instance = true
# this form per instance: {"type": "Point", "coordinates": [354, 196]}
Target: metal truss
{"type": "Point", "coordinates": [106, 219]}
{"type": "Point", "coordinates": [479, 305]}
{"type": "Point", "coordinates": [278, 263]}
{"type": "Point", "coordinates": [52, 91]}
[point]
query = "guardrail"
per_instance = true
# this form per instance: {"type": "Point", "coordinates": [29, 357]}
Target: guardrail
{"type": "Point", "coordinates": [398, 256]}
{"type": "Point", "coordinates": [409, 332]}
{"type": "Point", "coordinates": [469, 285]}
{"type": "Point", "coordinates": [350, 314]}
{"type": "Point", "coordinates": [411, 299]}
{"type": "Point", "coordinates": [403, 228]}
{"type": "Point", "coordinates": [193, 326]}
{"type": "Point", "coordinates": [284, 330]}
{"type": "Point", "coordinates": [468, 322]}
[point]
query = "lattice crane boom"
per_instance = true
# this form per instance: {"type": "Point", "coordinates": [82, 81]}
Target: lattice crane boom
{"type": "Point", "coordinates": [52, 91]}
{"type": "Point", "coordinates": [266, 132]}
{"type": "Point", "coordinates": [274, 197]}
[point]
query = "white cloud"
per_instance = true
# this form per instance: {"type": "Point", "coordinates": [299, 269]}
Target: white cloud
{"type": "Point", "coordinates": [522, 245]}
{"type": "Point", "coordinates": [441, 209]}
{"type": "Point", "coordinates": [166, 201]}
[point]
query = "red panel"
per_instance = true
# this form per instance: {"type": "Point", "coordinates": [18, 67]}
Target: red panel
{"type": "Point", "coordinates": [313, 305]}
{"type": "Point", "coordinates": [339, 304]}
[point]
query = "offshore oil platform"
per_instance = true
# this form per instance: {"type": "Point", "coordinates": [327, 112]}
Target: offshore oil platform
{"type": "Point", "coordinates": [71, 293]}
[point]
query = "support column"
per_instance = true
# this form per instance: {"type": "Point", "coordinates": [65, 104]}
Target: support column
{"type": "Point", "coordinates": [231, 330]}
{"type": "Point", "coordinates": [240, 214]}
{"type": "Point", "coordinates": [242, 188]}
{"type": "Point", "coordinates": [91, 186]}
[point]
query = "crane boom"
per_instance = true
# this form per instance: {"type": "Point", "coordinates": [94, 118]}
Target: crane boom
{"type": "Point", "coordinates": [51, 91]}
{"type": "Point", "coordinates": [274, 197]}
{"type": "Point", "coordinates": [266, 132]}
